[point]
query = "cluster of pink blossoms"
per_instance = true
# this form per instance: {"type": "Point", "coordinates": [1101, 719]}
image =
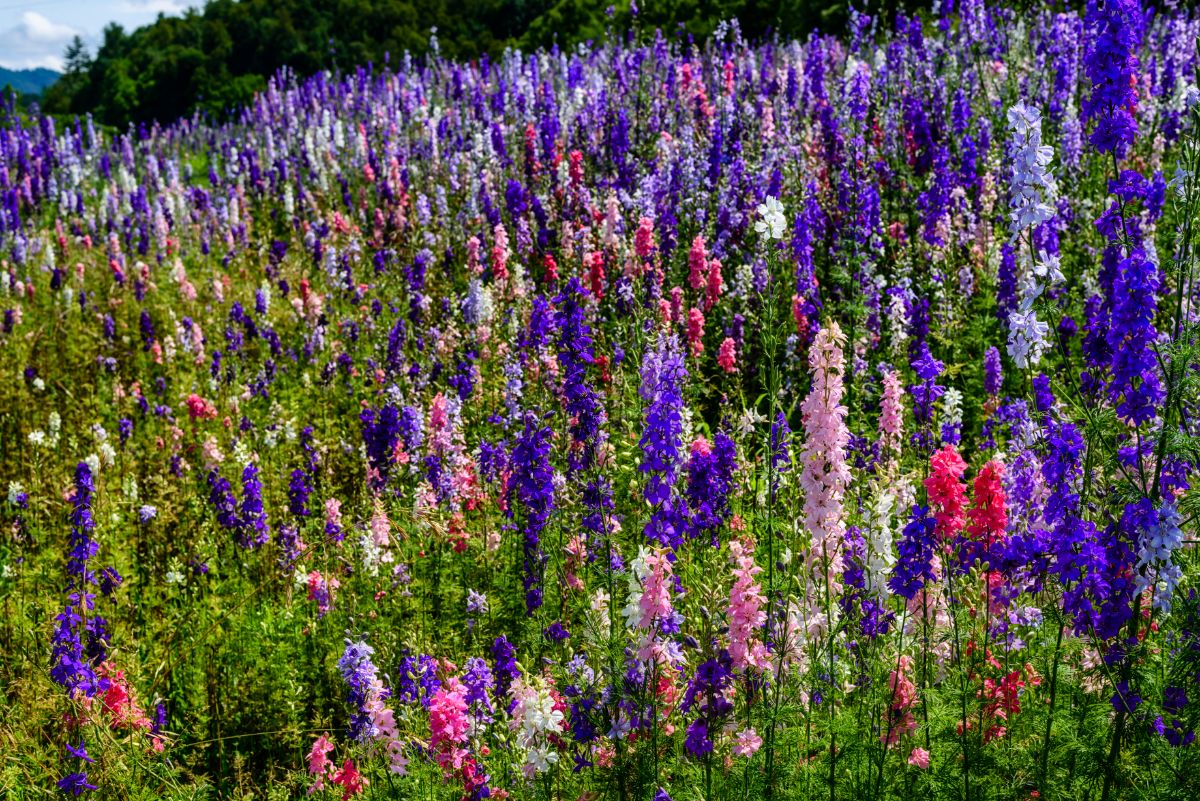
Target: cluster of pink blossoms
{"type": "Point", "coordinates": [746, 613]}
{"type": "Point", "coordinates": [987, 519]}
{"type": "Point", "coordinates": [824, 473]}
{"type": "Point", "coordinates": [448, 725]}
{"type": "Point", "coordinates": [320, 765]}
{"type": "Point", "coordinates": [891, 413]}
{"type": "Point", "coordinates": [727, 355]}
{"type": "Point", "coordinates": [947, 491]}
{"type": "Point", "coordinates": [904, 698]}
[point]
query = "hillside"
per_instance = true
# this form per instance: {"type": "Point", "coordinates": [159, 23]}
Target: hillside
{"type": "Point", "coordinates": [28, 82]}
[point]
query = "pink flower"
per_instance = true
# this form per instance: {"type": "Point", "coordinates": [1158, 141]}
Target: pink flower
{"type": "Point", "coordinates": [746, 614]}
{"type": "Point", "coordinates": [500, 253]}
{"type": "Point", "coordinates": [200, 409]}
{"type": "Point", "coordinates": [473, 263]}
{"type": "Point", "coordinates": [947, 492]}
{"type": "Point", "coordinates": [919, 757]}
{"type": "Point", "coordinates": [643, 238]}
{"type": "Point", "coordinates": [381, 526]}
{"type": "Point", "coordinates": [747, 742]}
{"type": "Point", "coordinates": [727, 355]}
{"type": "Point", "coordinates": [987, 516]}
{"type": "Point", "coordinates": [695, 331]}
{"type": "Point", "coordinates": [351, 780]}
{"type": "Point", "coordinates": [891, 412]}
{"type": "Point", "coordinates": [664, 311]}
{"type": "Point", "coordinates": [655, 603]}
{"type": "Point", "coordinates": [715, 285]}
{"type": "Point", "coordinates": [318, 760]}
{"type": "Point", "coordinates": [824, 474]}
{"type": "Point", "coordinates": [697, 263]}
{"type": "Point", "coordinates": [333, 512]}
{"type": "Point", "coordinates": [904, 697]}
{"type": "Point", "coordinates": [448, 724]}
{"type": "Point", "coordinates": [595, 263]}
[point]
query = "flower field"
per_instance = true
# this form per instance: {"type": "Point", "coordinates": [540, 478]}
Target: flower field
{"type": "Point", "coordinates": [653, 419]}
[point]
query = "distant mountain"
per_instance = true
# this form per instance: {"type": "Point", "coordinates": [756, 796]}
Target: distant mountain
{"type": "Point", "coordinates": [28, 82]}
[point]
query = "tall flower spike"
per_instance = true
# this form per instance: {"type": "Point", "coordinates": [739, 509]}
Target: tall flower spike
{"type": "Point", "coordinates": [824, 474]}
{"type": "Point", "coordinates": [1114, 38]}
{"type": "Point", "coordinates": [891, 414]}
{"type": "Point", "coordinates": [532, 485]}
{"type": "Point", "coordinates": [663, 375]}
{"type": "Point", "coordinates": [746, 615]}
{"type": "Point", "coordinates": [947, 492]}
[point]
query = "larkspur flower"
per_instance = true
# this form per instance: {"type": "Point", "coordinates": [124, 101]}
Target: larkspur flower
{"type": "Point", "coordinates": [824, 473]}
{"type": "Point", "coordinates": [533, 488]}
{"type": "Point", "coordinates": [746, 615]}
{"type": "Point", "coordinates": [771, 222]}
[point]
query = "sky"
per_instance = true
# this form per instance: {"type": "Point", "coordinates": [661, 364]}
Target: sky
{"type": "Point", "coordinates": [34, 33]}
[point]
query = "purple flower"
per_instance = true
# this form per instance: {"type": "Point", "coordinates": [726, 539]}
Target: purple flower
{"type": "Point", "coordinates": [299, 489]}
{"type": "Point", "coordinates": [79, 751]}
{"type": "Point", "coordinates": [914, 566]}
{"type": "Point", "coordinates": [706, 695]}
{"type": "Point", "coordinates": [993, 377]}
{"type": "Point", "coordinates": [532, 487]}
{"type": "Point", "coordinates": [557, 632]}
{"type": "Point", "coordinates": [504, 665]}
{"type": "Point", "coordinates": [710, 482]}
{"type": "Point", "coordinates": [1114, 38]}
{"type": "Point", "coordinates": [663, 374]}
{"type": "Point", "coordinates": [220, 495]}
{"type": "Point", "coordinates": [480, 683]}
{"type": "Point", "coordinates": [583, 405]}
{"type": "Point", "coordinates": [926, 393]}
{"type": "Point", "coordinates": [1135, 387]}
{"type": "Point", "coordinates": [75, 783]}
{"type": "Point", "coordinates": [381, 430]}
{"type": "Point", "coordinates": [252, 516]}
{"type": "Point", "coordinates": [359, 673]}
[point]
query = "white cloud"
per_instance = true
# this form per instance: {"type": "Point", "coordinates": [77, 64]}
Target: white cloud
{"type": "Point", "coordinates": [154, 6]}
{"type": "Point", "coordinates": [35, 42]}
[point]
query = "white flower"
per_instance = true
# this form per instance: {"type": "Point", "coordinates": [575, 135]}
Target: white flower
{"type": "Point", "coordinates": [541, 758]}
{"type": "Point", "coordinates": [952, 407]}
{"type": "Point", "coordinates": [37, 438]}
{"type": "Point", "coordinates": [174, 576]}
{"type": "Point", "coordinates": [1032, 189]}
{"type": "Point", "coordinates": [772, 222]}
{"type": "Point", "coordinates": [749, 419]}
{"type": "Point", "coordinates": [880, 554]}
{"type": "Point", "coordinates": [1026, 337]}
{"type": "Point", "coordinates": [1048, 268]}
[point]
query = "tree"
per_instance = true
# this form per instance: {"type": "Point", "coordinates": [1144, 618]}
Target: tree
{"type": "Point", "coordinates": [76, 59]}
